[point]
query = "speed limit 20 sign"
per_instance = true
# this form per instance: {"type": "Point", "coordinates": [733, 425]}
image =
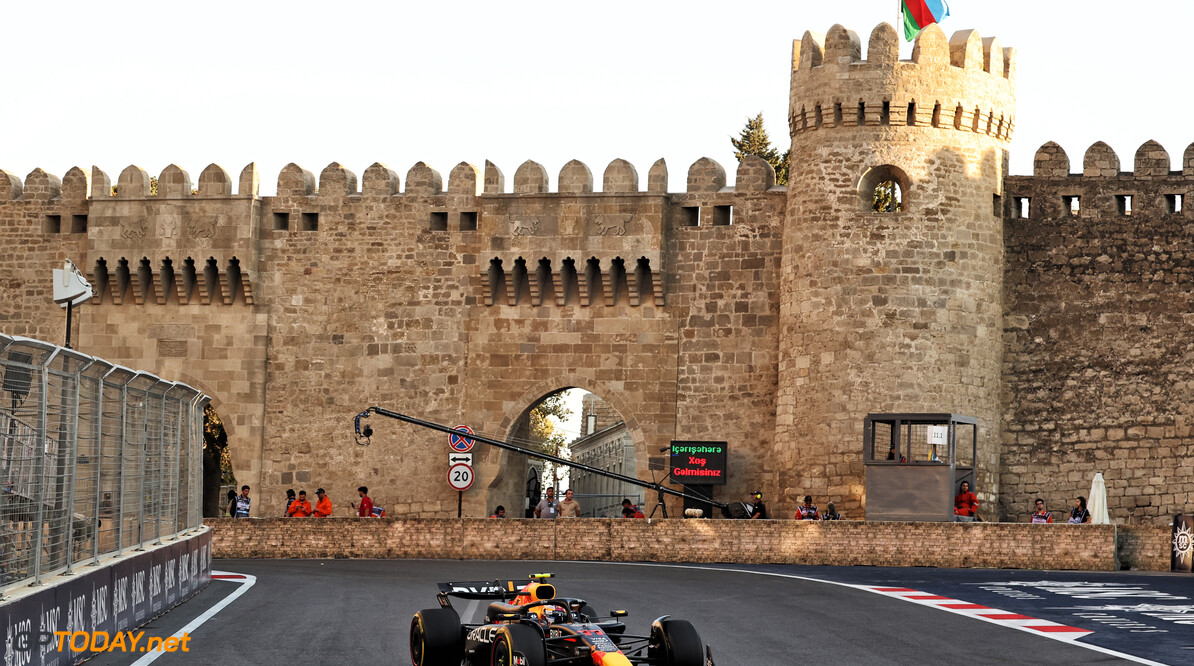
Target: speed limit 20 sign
{"type": "Point", "coordinates": [460, 476]}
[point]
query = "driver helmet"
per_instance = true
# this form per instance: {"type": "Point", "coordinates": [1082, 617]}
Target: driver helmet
{"type": "Point", "coordinates": [550, 614]}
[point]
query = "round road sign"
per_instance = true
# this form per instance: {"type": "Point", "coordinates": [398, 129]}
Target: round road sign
{"type": "Point", "coordinates": [460, 442]}
{"type": "Point", "coordinates": [460, 477]}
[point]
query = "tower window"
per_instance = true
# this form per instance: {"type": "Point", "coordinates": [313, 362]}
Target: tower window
{"type": "Point", "coordinates": [690, 216]}
{"type": "Point", "coordinates": [439, 221]}
{"type": "Point", "coordinates": [818, 116]}
{"type": "Point", "coordinates": [937, 115]}
{"type": "Point", "coordinates": [861, 114]}
{"type": "Point", "coordinates": [468, 220]}
{"type": "Point", "coordinates": [997, 205]}
{"type": "Point", "coordinates": [837, 114]}
{"type": "Point", "coordinates": [1124, 203]}
{"type": "Point", "coordinates": [884, 189]}
{"type": "Point", "coordinates": [912, 113]}
{"type": "Point", "coordinates": [1023, 207]}
{"type": "Point", "coordinates": [1173, 202]}
{"type": "Point", "coordinates": [1072, 205]}
{"type": "Point", "coordinates": [885, 114]}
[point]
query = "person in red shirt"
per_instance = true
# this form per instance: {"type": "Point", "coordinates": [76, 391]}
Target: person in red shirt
{"type": "Point", "coordinates": [1041, 515]}
{"type": "Point", "coordinates": [965, 504]}
{"type": "Point", "coordinates": [366, 508]}
{"type": "Point", "coordinates": [300, 508]}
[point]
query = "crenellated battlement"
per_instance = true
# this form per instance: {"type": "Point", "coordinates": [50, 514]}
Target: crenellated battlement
{"type": "Point", "coordinates": [336, 181]}
{"type": "Point", "coordinates": [1151, 190]}
{"type": "Point", "coordinates": [965, 83]}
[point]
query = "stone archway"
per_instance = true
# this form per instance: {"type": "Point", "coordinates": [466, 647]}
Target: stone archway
{"type": "Point", "coordinates": [503, 473]}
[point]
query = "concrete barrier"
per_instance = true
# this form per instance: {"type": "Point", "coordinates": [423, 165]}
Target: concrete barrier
{"type": "Point", "coordinates": [119, 594]}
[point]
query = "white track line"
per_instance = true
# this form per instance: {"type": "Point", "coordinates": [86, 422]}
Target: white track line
{"type": "Point", "coordinates": [246, 581]}
{"type": "Point", "coordinates": [1025, 626]}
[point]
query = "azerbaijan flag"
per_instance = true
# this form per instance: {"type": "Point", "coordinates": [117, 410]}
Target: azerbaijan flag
{"type": "Point", "coordinates": [918, 14]}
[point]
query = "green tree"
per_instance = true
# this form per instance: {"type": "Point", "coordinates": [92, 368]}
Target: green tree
{"type": "Point", "coordinates": [217, 463]}
{"type": "Point", "coordinates": [549, 437]}
{"type": "Point", "coordinates": [753, 140]}
{"type": "Point", "coordinates": [887, 198]}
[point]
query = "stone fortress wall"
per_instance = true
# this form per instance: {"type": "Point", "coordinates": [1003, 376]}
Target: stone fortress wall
{"type": "Point", "coordinates": [771, 317]}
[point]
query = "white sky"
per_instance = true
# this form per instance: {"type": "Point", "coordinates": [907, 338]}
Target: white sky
{"type": "Point", "coordinates": [114, 84]}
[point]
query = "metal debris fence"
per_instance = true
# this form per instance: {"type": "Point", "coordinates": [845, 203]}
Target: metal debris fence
{"type": "Point", "coordinates": [95, 459]}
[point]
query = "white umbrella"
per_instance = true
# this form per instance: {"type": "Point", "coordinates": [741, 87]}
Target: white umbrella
{"type": "Point", "coordinates": [1097, 505]}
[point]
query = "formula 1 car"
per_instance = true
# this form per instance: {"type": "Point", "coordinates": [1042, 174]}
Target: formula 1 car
{"type": "Point", "coordinates": [526, 624]}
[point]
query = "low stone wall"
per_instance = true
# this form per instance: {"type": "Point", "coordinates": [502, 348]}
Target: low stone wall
{"type": "Point", "coordinates": [979, 545]}
{"type": "Point", "coordinates": [1146, 547]}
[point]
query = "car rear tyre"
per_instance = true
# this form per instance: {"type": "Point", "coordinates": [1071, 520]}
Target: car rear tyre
{"type": "Point", "coordinates": [676, 643]}
{"type": "Point", "coordinates": [435, 638]}
{"type": "Point", "coordinates": [521, 639]}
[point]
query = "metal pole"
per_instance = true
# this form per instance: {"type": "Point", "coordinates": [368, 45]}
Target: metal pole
{"type": "Point", "coordinates": [459, 503]}
{"type": "Point", "coordinates": [163, 466]}
{"type": "Point", "coordinates": [39, 457]}
{"type": "Point", "coordinates": [535, 454]}
{"type": "Point", "coordinates": [70, 306]}
{"type": "Point", "coordinates": [73, 467]}
{"type": "Point", "coordinates": [99, 454]}
{"type": "Point", "coordinates": [124, 417]}
{"type": "Point", "coordinates": [195, 506]}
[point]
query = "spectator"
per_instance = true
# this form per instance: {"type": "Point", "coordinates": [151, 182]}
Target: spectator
{"type": "Point", "coordinates": [366, 508]}
{"type": "Point", "coordinates": [241, 503]}
{"type": "Point", "coordinates": [629, 510]}
{"type": "Point", "coordinates": [807, 511]}
{"type": "Point", "coordinates": [569, 508]}
{"type": "Point", "coordinates": [231, 509]}
{"type": "Point", "coordinates": [1041, 515]}
{"type": "Point", "coordinates": [1079, 514]}
{"type": "Point", "coordinates": [891, 454]}
{"type": "Point", "coordinates": [289, 501]}
{"type": "Point", "coordinates": [758, 509]}
{"type": "Point", "coordinates": [323, 505]}
{"type": "Point", "coordinates": [499, 512]}
{"type": "Point", "coordinates": [831, 513]}
{"type": "Point", "coordinates": [965, 504]}
{"type": "Point", "coordinates": [300, 508]}
{"type": "Point", "coordinates": [548, 507]}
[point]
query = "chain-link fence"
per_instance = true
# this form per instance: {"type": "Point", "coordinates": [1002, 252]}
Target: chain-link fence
{"type": "Point", "coordinates": [95, 459]}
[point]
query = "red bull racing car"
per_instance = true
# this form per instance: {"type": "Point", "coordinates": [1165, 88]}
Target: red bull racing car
{"type": "Point", "coordinates": [526, 624]}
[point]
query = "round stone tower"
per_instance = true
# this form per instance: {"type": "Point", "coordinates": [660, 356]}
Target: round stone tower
{"type": "Point", "coordinates": [892, 285]}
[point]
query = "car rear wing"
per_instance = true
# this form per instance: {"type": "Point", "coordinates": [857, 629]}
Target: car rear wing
{"type": "Point", "coordinates": [482, 589]}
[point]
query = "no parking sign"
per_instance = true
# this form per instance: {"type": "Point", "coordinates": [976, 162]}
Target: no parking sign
{"type": "Point", "coordinates": [459, 442]}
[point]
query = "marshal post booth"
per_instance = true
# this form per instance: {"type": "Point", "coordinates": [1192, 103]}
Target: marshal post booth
{"type": "Point", "coordinates": [915, 462]}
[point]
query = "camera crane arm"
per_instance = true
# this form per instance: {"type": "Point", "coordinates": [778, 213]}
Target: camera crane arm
{"type": "Point", "coordinates": [364, 433]}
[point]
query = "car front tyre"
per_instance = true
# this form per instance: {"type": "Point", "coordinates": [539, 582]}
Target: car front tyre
{"type": "Point", "coordinates": [518, 639]}
{"type": "Point", "coordinates": [675, 643]}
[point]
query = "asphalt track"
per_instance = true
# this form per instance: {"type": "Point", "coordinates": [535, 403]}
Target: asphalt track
{"type": "Point", "coordinates": [311, 612]}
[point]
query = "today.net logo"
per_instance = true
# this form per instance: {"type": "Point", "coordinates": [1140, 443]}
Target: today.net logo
{"type": "Point", "coordinates": [100, 641]}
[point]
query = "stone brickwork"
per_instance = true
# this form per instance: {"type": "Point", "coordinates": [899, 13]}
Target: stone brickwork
{"type": "Point", "coordinates": [774, 318]}
{"type": "Point", "coordinates": [846, 543]}
{"type": "Point", "coordinates": [891, 312]}
{"type": "Point", "coordinates": [1099, 356]}
{"type": "Point", "coordinates": [1145, 547]}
